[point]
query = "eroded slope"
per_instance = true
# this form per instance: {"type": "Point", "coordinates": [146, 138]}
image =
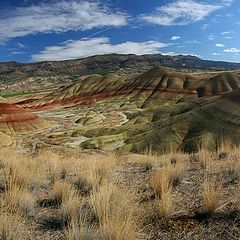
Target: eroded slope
{"type": "Point", "coordinates": [16, 120]}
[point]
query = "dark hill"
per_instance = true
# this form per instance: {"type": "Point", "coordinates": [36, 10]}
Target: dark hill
{"type": "Point", "coordinates": [51, 74]}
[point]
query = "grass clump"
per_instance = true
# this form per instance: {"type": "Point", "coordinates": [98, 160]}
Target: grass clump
{"type": "Point", "coordinates": [116, 211]}
{"type": "Point", "coordinates": [12, 228]}
{"type": "Point", "coordinates": [211, 197]}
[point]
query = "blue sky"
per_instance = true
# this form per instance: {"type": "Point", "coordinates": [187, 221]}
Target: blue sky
{"type": "Point", "coordinates": [42, 30]}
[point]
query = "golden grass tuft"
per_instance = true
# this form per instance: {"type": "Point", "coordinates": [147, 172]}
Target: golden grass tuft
{"type": "Point", "coordinates": [168, 176]}
{"type": "Point", "coordinates": [21, 200]}
{"type": "Point", "coordinates": [211, 197]}
{"type": "Point", "coordinates": [11, 227]}
{"type": "Point", "coordinates": [161, 182]}
{"type": "Point", "coordinates": [79, 230]}
{"type": "Point", "coordinates": [116, 209]}
{"type": "Point", "coordinates": [165, 204]}
{"type": "Point", "coordinates": [203, 157]}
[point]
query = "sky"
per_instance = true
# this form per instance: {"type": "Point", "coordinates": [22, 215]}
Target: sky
{"type": "Point", "coordinates": [41, 30]}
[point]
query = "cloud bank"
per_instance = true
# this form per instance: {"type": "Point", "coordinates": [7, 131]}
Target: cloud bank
{"type": "Point", "coordinates": [232, 50]}
{"type": "Point", "coordinates": [59, 16]}
{"type": "Point", "coordinates": [94, 46]}
{"type": "Point", "coordinates": [180, 12]}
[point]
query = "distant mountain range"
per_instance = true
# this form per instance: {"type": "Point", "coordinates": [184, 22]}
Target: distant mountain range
{"type": "Point", "coordinates": [14, 72]}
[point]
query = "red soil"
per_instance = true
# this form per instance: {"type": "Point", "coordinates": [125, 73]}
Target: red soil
{"type": "Point", "coordinates": [10, 113]}
{"type": "Point", "coordinates": [91, 97]}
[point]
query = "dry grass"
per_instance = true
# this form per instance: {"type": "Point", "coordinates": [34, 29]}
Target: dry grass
{"type": "Point", "coordinates": [163, 181]}
{"type": "Point", "coordinates": [111, 203]}
{"type": "Point", "coordinates": [203, 157]}
{"type": "Point", "coordinates": [211, 197]}
{"type": "Point", "coordinates": [169, 175]}
{"type": "Point", "coordinates": [19, 200]}
{"type": "Point", "coordinates": [11, 227]}
{"type": "Point", "coordinates": [79, 230]}
{"type": "Point", "coordinates": [99, 197]}
{"type": "Point", "coordinates": [165, 204]}
{"type": "Point", "coordinates": [88, 205]}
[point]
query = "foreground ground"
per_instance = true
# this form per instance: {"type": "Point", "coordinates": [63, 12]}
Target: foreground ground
{"type": "Point", "coordinates": [102, 196]}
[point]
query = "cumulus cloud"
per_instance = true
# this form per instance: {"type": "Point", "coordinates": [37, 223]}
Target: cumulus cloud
{"type": "Point", "coordinates": [175, 38]}
{"type": "Point", "coordinates": [220, 45]}
{"type": "Point", "coordinates": [232, 50]}
{"type": "Point", "coordinates": [94, 46]}
{"type": "Point", "coordinates": [180, 12]}
{"type": "Point", "coordinates": [59, 16]}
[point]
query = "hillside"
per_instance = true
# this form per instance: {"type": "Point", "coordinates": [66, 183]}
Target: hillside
{"type": "Point", "coordinates": [161, 109]}
{"type": "Point", "coordinates": [44, 75]}
{"type": "Point", "coordinates": [222, 82]}
{"type": "Point", "coordinates": [15, 120]}
{"type": "Point", "coordinates": [130, 107]}
{"type": "Point", "coordinates": [184, 126]}
{"type": "Point", "coordinates": [152, 88]}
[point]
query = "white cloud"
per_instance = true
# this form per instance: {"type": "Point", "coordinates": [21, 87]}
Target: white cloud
{"type": "Point", "coordinates": [59, 16]}
{"type": "Point", "coordinates": [227, 32]}
{"type": "Point", "coordinates": [175, 38]}
{"type": "Point", "coordinates": [216, 54]}
{"type": "Point", "coordinates": [180, 12]}
{"type": "Point", "coordinates": [232, 50]}
{"type": "Point", "coordinates": [211, 37]}
{"type": "Point", "coordinates": [16, 53]}
{"type": "Point", "coordinates": [228, 37]}
{"type": "Point", "coordinates": [196, 42]}
{"type": "Point", "coordinates": [204, 26]}
{"type": "Point", "coordinates": [178, 54]}
{"type": "Point", "coordinates": [193, 42]}
{"type": "Point", "coordinates": [94, 46]}
{"type": "Point", "coordinates": [220, 45]}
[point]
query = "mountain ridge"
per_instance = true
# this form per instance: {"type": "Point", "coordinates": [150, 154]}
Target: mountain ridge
{"type": "Point", "coordinates": [24, 76]}
{"type": "Point", "coordinates": [164, 60]}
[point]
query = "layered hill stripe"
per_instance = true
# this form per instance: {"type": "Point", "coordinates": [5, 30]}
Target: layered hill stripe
{"type": "Point", "coordinates": [152, 88]}
{"type": "Point", "coordinates": [16, 120]}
